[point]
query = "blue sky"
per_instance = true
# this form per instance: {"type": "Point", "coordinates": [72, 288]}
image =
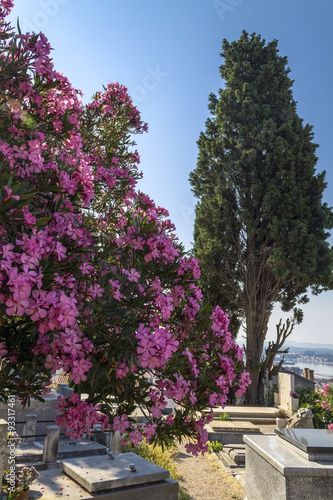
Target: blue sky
{"type": "Point", "coordinates": [167, 54]}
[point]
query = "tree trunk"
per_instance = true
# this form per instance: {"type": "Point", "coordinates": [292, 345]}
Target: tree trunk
{"type": "Point", "coordinates": [253, 357]}
{"type": "Point", "coordinates": [256, 326]}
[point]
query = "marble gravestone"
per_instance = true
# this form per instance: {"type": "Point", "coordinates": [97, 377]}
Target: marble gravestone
{"type": "Point", "coordinates": [312, 444]}
{"type": "Point", "coordinates": [293, 464]}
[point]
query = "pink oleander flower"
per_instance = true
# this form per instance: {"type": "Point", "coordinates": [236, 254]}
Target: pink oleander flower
{"type": "Point", "coordinates": [5, 8]}
{"type": "Point", "coordinates": [78, 417]}
{"type": "Point", "coordinates": [9, 192]}
{"type": "Point", "coordinates": [60, 251]}
{"type": "Point", "coordinates": [136, 437]}
{"type": "Point", "coordinates": [121, 371]}
{"type": "Point", "coordinates": [17, 305]}
{"type": "Point", "coordinates": [150, 431]}
{"type": "Point", "coordinates": [120, 424]}
{"type": "Point", "coordinates": [244, 382]}
{"type": "Point", "coordinates": [116, 289]}
{"type": "Point", "coordinates": [133, 275]}
{"type": "Point", "coordinates": [3, 350]}
{"type": "Point", "coordinates": [96, 291]}
{"type": "Point", "coordinates": [29, 219]}
{"type": "Point", "coordinates": [170, 419]}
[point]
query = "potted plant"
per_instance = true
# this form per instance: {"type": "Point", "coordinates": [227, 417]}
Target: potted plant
{"type": "Point", "coordinates": [23, 480]}
{"type": "Point", "coordinates": [294, 401]}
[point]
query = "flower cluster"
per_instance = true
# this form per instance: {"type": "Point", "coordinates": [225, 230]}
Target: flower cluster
{"type": "Point", "coordinates": [320, 404]}
{"type": "Point", "coordinates": [92, 277]}
{"type": "Point", "coordinates": [20, 481]}
{"type": "Point", "coordinates": [77, 416]}
{"type": "Point", "coordinates": [26, 477]}
{"type": "Point", "coordinates": [327, 400]}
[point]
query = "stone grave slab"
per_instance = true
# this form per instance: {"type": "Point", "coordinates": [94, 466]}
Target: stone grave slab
{"type": "Point", "coordinates": [53, 484]}
{"type": "Point", "coordinates": [32, 451]}
{"type": "Point", "coordinates": [100, 473]}
{"type": "Point", "coordinates": [313, 444]}
{"type": "Point", "coordinates": [70, 448]}
{"type": "Point", "coordinates": [29, 452]}
{"type": "Point", "coordinates": [232, 426]}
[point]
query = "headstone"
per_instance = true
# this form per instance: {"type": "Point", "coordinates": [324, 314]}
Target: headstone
{"type": "Point", "coordinates": [115, 442]}
{"type": "Point", "coordinates": [30, 426]}
{"type": "Point", "coordinates": [294, 404]}
{"type": "Point", "coordinates": [286, 386]}
{"type": "Point", "coordinates": [51, 443]}
{"type": "Point", "coordinates": [170, 407]}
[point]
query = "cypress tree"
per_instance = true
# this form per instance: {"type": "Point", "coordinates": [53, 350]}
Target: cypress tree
{"type": "Point", "coordinates": [261, 227]}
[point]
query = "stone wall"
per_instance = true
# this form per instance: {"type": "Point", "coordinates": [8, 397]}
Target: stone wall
{"type": "Point", "coordinates": [45, 412]}
{"type": "Point", "coordinates": [301, 381]}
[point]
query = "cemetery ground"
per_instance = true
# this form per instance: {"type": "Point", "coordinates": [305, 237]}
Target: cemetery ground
{"type": "Point", "coordinates": [203, 477]}
{"type": "Point", "coordinates": [210, 476]}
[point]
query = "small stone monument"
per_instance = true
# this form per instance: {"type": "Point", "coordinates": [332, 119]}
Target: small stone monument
{"type": "Point", "coordinates": [302, 419]}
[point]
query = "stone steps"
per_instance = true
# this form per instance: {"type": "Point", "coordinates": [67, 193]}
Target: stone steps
{"type": "Point", "coordinates": [236, 453]}
{"type": "Point", "coordinates": [238, 456]}
{"type": "Point", "coordinates": [226, 460]}
{"type": "Point", "coordinates": [247, 412]}
{"type": "Point", "coordinates": [233, 456]}
{"type": "Point", "coordinates": [255, 420]}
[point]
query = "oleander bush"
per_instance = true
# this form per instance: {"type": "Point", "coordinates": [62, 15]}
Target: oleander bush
{"type": "Point", "coordinates": [319, 404]}
{"type": "Point", "coordinates": [93, 279]}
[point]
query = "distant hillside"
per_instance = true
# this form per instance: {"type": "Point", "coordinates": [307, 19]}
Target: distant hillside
{"type": "Point", "coordinates": [309, 346]}
{"type": "Point", "coordinates": [300, 346]}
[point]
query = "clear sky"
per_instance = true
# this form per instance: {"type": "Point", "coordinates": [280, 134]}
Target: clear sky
{"type": "Point", "coordinates": [167, 54]}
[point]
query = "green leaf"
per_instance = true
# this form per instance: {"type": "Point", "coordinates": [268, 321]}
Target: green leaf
{"type": "Point", "coordinates": [43, 220]}
{"type": "Point", "coordinates": [148, 227]}
{"type": "Point", "coordinates": [30, 122]}
{"type": "Point", "coordinates": [53, 188]}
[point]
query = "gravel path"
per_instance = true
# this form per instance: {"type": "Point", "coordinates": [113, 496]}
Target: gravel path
{"type": "Point", "coordinates": [203, 478]}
